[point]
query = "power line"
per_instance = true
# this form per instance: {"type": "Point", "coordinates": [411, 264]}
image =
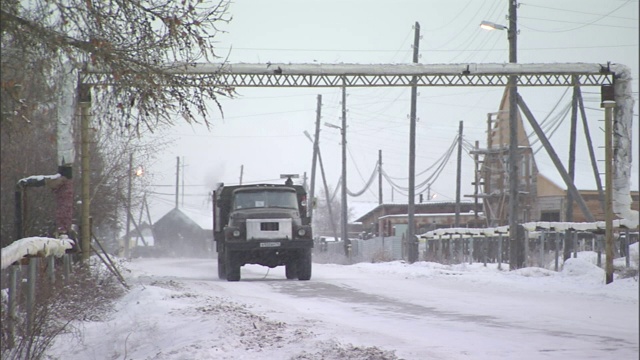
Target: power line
{"type": "Point", "coordinates": [574, 11]}
{"type": "Point", "coordinates": [580, 23]}
{"type": "Point", "coordinates": [583, 25]}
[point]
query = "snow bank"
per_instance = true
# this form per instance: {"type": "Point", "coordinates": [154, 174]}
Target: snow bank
{"type": "Point", "coordinates": [36, 245]}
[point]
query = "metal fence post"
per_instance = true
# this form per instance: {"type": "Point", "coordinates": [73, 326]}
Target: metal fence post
{"type": "Point", "coordinates": [13, 302]}
{"type": "Point", "coordinates": [557, 248]}
{"type": "Point", "coordinates": [484, 251]}
{"type": "Point", "coordinates": [471, 250]}
{"type": "Point", "coordinates": [500, 252]}
{"type": "Point", "coordinates": [51, 270]}
{"type": "Point", "coordinates": [31, 292]}
{"type": "Point", "coordinates": [451, 248]}
{"type": "Point", "coordinates": [575, 244]}
{"type": "Point", "coordinates": [526, 247]}
{"type": "Point", "coordinates": [599, 250]}
{"type": "Point", "coordinates": [439, 250]}
{"type": "Point", "coordinates": [627, 261]}
{"type": "Point", "coordinates": [541, 261]}
{"type": "Point", "coordinates": [66, 267]}
{"type": "Point", "coordinates": [461, 250]}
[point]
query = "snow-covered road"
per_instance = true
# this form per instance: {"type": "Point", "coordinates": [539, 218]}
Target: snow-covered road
{"type": "Point", "coordinates": [180, 310]}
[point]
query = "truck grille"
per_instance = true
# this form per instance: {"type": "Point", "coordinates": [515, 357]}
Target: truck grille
{"type": "Point", "coordinates": [267, 229]}
{"type": "Point", "coordinates": [269, 226]}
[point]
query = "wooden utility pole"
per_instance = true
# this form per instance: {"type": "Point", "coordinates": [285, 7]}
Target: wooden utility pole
{"type": "Point", "coordinates": [84, 100]}
{"type": "Point", "coordinates": [515, 242]}
{"type": "Point", "coordinates": [379, 177]}
{"type": "Point", "coordinates": [184, 164]}
{"type": "Point", "coordinates": [177, 180]}
{"type": "Point", "coordinates": [127, 238]}
{"type": "Point", "coordinates": [458, 176]}
{"type": "Point", "coordinates": [412, 251]}
{"type": "Point", "coordinates": [345, 220]}
{"type": "Point", "coordinates": [316, 139]}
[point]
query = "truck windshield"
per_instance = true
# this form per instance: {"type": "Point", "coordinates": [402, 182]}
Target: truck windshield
{"type": "Point", "coordinates": [264, 198]}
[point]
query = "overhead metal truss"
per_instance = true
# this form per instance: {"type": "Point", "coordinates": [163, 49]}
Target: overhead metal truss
{"type": "Point", "coordinates": [383, 75]}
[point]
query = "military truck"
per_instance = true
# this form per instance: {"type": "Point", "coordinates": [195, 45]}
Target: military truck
{"type": "Point", "coordinates": [264, 224]}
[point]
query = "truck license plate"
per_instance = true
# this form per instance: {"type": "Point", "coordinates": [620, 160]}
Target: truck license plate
{"type": "Point", "coordinates": [270, 244]}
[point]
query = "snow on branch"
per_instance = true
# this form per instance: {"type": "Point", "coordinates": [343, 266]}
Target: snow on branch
{"type": "Point", "coordinates": [37, 246]}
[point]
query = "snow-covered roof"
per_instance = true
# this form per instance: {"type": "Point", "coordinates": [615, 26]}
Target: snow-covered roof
{"type": "Point", "coordinates": [530, 226]}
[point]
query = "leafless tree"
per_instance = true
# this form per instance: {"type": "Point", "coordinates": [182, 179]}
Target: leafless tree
{"type": "Point", "coordinates": [133, 42]}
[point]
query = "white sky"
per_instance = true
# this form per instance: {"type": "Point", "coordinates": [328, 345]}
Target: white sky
{"type": "Point", "coordinates": [263, 128]}
{"type": "Point", "coordinates": [178, 309]}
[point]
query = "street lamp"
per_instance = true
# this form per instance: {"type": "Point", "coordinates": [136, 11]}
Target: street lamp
{"type": "Point", "coordinates": [343, 228]}
{"type": "Point", "coordinates": [488, 25]}
{"type": "Point", "coordinates": [512, 32]}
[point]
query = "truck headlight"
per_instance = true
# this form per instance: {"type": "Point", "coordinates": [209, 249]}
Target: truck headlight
{"type": "Point", "coordinates": [236, 233]}
{"type": "Point", "coordinates": [302, 232]}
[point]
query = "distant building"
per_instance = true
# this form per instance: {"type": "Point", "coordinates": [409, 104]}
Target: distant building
{"type": "Point", "coordinates": [392, 219]}
{"type": "Point", "coordinates": [179, 235]}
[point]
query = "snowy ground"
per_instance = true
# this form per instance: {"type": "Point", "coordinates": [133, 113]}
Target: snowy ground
{"type": "Point", "coordinates": [178, 309]}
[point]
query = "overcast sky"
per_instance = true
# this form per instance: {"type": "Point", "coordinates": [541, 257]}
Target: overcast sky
{"type": "Point", "coordinates": [262, 129]}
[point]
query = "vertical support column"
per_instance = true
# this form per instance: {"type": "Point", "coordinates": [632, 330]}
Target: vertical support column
{"type": "Point", "coordinates": [84, 100]}
{"type": "Point", "coordinates": [541, 257]}
{"type": "Point", "coordinates": [343, 213]}
{"type": "Point", "coordinates": [411, 241]}
{"type": "Point", "coordinates": [314, 160]}
{"type": "Point", "coordinates": [31, 293]}
{"type": "Point", "coordinates": [379, 177]}
{"type": "Point", "coordinates": [500, 252]}
{"type": "Point", "coordinates": [557, 250]}
{"type": "Point", "coordinates": [608, 105]}
{"type": "Point", "coordinates": [66, 268]}
{"type": "Point", "coordinates": [458, 177]}
{"type": "Point", "coordinates": [514, 240]}
{"type": "Point", "coordinates": [13, 302]}
{"type": "Point", "coordinates": [127, 239]}
{"type": "Point", "coordinates": [51, 268]}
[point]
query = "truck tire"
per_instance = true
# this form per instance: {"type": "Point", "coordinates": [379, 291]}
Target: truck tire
{"type": "Point", "coordinates": [304, 264]}
{"type": "Point", "coordinates": [222, 268]}
{"type": "Point", "coordinates": [291, 270]}
{"type": "Point", "coordinates": [233, 267]}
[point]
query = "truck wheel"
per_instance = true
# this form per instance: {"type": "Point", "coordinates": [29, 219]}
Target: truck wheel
{"type": "Point", "coordinates": [291, 270]}
{"type": "Point", "coordinates": [304, 264]}
{"type": "Point", "coordinates": [222, 268]}
{"type": "Point", "coordinates": [233, 267]}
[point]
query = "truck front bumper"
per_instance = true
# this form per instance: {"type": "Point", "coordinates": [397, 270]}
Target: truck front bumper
{"type": "Point", "coordinates": [271, 244]}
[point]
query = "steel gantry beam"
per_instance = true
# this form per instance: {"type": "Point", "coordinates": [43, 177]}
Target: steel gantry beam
{"type": "Point", "coordinates": [381, 75]}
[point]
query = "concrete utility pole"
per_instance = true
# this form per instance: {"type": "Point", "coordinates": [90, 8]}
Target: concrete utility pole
{"type": "Point", "coordinates": [84, 100]}
{"type": "Point", "coordinates": [458, 176]}
{"type": "Point", "coordinates": [568, 245]}
{"type": "Point", "coordinates": [316, 138]}
{"type": "Point", "coordinates": [177, 180]}
{"type": "Point", "coordinates": [241, 174]}
{"type": "Point", "coordinates": [609, 104]}
{"type": "Point", "coordinates": [343, 130]}
{"type": "Point", "coordinates": [412, 251]}
{"type": "Point", "coordinates": [514, 241]}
